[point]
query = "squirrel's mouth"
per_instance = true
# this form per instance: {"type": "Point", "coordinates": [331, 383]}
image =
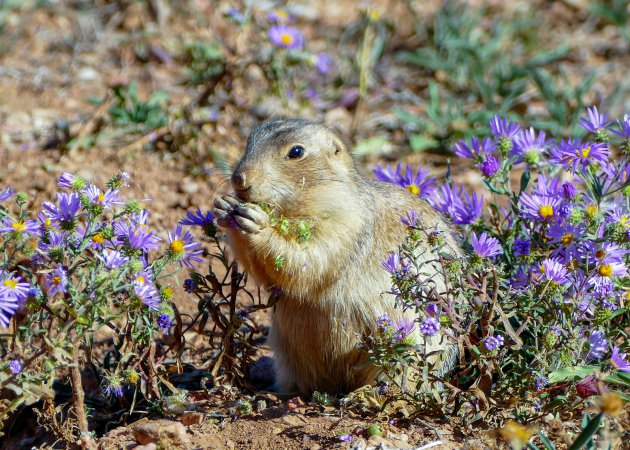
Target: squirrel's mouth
{"type": "Point", "coordinates": [244, 194]}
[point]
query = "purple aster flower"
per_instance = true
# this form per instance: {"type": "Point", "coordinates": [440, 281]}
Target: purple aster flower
{"type": "Point", "coordinates": [569, 190]}
{"type": "Point", "coordinates": [411, 218]}
{"type": "Point", "coordinates": [547, 187]}
{"type": "Point", "coordinates": [136, 234]}
{"type": "Point", "coordinates": [429, 326]}
{"type": "Point", "coordinates": [278, 16]}
{"type": "Point", "coordinates": [5, 194]}
{"type": "Point", "coordinates": [384, 322]}
{"type": "Point", "coordinates": [70, 181]}
{"type": "Point", "coordinates": [606, 252]}
{"type": "Point", "coordinates": [189, 285]}
{"type": "Point", "coordinates": [403, 329]}
{"type": "Point", "coordinates": [392, 263]}
{"type": "Point", "coordinates": [485, 246]}
{"type": "Point", "coordinates": [165, 322]}
{"type": "Point", "coordinates": [142, 278]}
{"type": "Point", "coordinates": [493, 343]}
{"type": "Point", "coordinates": [13, 285]}
{"type": "Point", "coordinates": [618, 360]}
{"type": "Point", "coordinates": [323, 61]}
{"type": "Point", "coordinates": [236, 15]}
{"type": "Point", "coordinates": [388, 174]}
{"type": "Point", "coordinates": [53, 243]}
{"type": "Point", "coordinates": [502, 129]}
{"type": "Point", "coordinates": [552, 270]}
{"type": "Point", "coordinates": [65, 213]}
{"type": "Point", "coordinates": [433, 310]}
{"type": "Point", "coordinates": [462, 208]}
{"type": "Point", "coordinates": [105, 199]}
{"type": "Point", "coordinates": [478, 148]}
{"type": "Point", "coordinates": [540, 383]}
{"type": "Point", "coordinates": [597, 345]}
{"type": "Point", "coordinates": [112, 259]}
{"type": "Point", "coordinates": [624, 127]}
{"type": "Point", "coordinates": [595, 121]}
{"type": "Point", "coordinates": [57, 281]}
{"type": "Point", "coordinates": [16, 366]}
{"type": "Point", "coordinates": [10, 225]}
{"type": "Point", "coordinates": [420, 183]}
{"type": "Point", "coordinates": [522, 247]}
{"type": "Point", "coordinates": [489, 166]}
{"type": "Point", "coordinates": [609, 269]}
{"type": "Point", "coordinates": [345, 438]}
{"type": "Point", "coordinates": [183, 248]}
{"type": "Point", "coordinates": [198, 219]}
{"type": "Point", "coordinates": [573, 154]}
{"type": "Point", "coordinates": [567, 236]}
{"type": "Point", "coordinates": [529, 147]}
{"type": "Point", "coordinates": [539, 207]}
{"type": "Point", "coordinates": [114, 387]}
{"type": "Point", "coordinates": [286, 37]}
{"type": "Point", "coordinates": [8, 306]}
{"type": "Point", "coordinates": [148, 295]}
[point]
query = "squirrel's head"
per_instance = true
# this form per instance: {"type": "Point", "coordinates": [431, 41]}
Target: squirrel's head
{"type": "Point", "coordinates": [289, 161]}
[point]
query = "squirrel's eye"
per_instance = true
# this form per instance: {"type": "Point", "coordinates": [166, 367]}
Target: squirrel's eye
{"type": "Point", "coordinates": [296, 152]}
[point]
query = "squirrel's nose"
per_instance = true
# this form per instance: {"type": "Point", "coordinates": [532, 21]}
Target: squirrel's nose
{"type": "Point", "coordinates": [239, 180]}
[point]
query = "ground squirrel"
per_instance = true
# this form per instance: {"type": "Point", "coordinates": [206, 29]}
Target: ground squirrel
{"type": "Point", "coordinates": [306, 223]}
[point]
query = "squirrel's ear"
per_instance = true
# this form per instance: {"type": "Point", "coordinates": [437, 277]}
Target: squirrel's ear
{"type": "Point", "coordinates": [339, 146]}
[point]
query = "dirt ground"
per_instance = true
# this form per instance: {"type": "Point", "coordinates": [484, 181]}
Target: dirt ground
{"type": "Point", "coordinates": [57, 56]}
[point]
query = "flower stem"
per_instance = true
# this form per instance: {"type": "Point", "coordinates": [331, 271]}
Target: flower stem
{"type": "Point", "coordinates": [77, 391]}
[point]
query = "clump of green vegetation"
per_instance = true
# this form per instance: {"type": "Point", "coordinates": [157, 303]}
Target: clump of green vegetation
{"type": "Point", "coordinates": [129, 111]}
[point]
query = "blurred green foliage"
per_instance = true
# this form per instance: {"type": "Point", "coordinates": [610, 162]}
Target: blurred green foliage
{"type": "Point", "coordinates": [129, 110]}
{"type": "Point", "coordinates": [480, 64]}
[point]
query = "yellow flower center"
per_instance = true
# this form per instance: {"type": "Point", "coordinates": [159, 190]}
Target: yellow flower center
{"type": "Point", "coordinates": [100, 198]}
{"type": "Point", "coordinates": [591, 210]}
{"type": "Point", "coordinates": [167, 292]}
{"type": "Point", "coordinates": [286, 38]}
{"type": "Point", "coordinates": [415, 190]}
{"type": "Point", "coordinates": [542, 269]}
{"type": "Point", "coordinates": [141, 280]}
{"type": "Point", "coordinates": [584, 152]}
{"type": "Point", "coordinates": [177, 246]}
{"type": "Point", "coordinates": [98, 238]}
{"type": "Point", "coordinates": [18, 226]}
{"type": "Point", "coordinates": [281, 15]}
{"type": "Point", "coordinates": [56, 280]}
{"type": "Point", "coordinates": [47, 223]}
{"type": "Point", "coordinates": [605, 270]}
{"type": "Point", "coordinates": [567, 238]}
{"type": "Point", "coordinates": [11, 284]}
{"type": "Point", "coordinates": [546, 211]}
{"type": "Point", "coordinates": [625, 220]}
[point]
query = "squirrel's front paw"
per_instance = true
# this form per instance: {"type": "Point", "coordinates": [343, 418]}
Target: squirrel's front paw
{"type": "Point", "coordinates": [250, 218]}
{"type": "Point", "coordinates": [224, 208]}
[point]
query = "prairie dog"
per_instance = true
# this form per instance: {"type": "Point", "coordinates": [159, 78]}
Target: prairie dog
{"type": "Point", "coordinates": [324, 255]}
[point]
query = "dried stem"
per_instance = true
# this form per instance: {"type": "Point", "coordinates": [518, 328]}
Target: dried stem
{"type": "Point", "coordinates": [77, 391]}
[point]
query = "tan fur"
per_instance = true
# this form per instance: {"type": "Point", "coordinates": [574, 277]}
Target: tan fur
{"type": "Point", "coordinates": [333, 286]}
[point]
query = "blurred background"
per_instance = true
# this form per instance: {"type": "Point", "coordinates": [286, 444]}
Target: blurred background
{"type": "Point", "coordinates": [169, 90]}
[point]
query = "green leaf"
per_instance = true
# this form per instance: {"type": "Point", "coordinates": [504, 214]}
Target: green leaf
{"type": "Point", "coordinates": [546, 442]}
{"type": "Point", "coordinates": [525, 180]}
{"type": "Point", "coordinates": [619, 377]}
{"type": "Point", "coordinates": [571, 373]}
{"type": "Point", "coordinates": [420, 143]}
{"type": "Point", "coordinates": [372, 146]}
{"type": "Point", "coordinates": [587, 433]}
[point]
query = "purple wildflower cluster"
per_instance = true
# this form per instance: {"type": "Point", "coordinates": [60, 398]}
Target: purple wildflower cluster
{"type": "Point", "coordinates": [90, 224]}
{"type": "Point", "coordinates": [560, 241]}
